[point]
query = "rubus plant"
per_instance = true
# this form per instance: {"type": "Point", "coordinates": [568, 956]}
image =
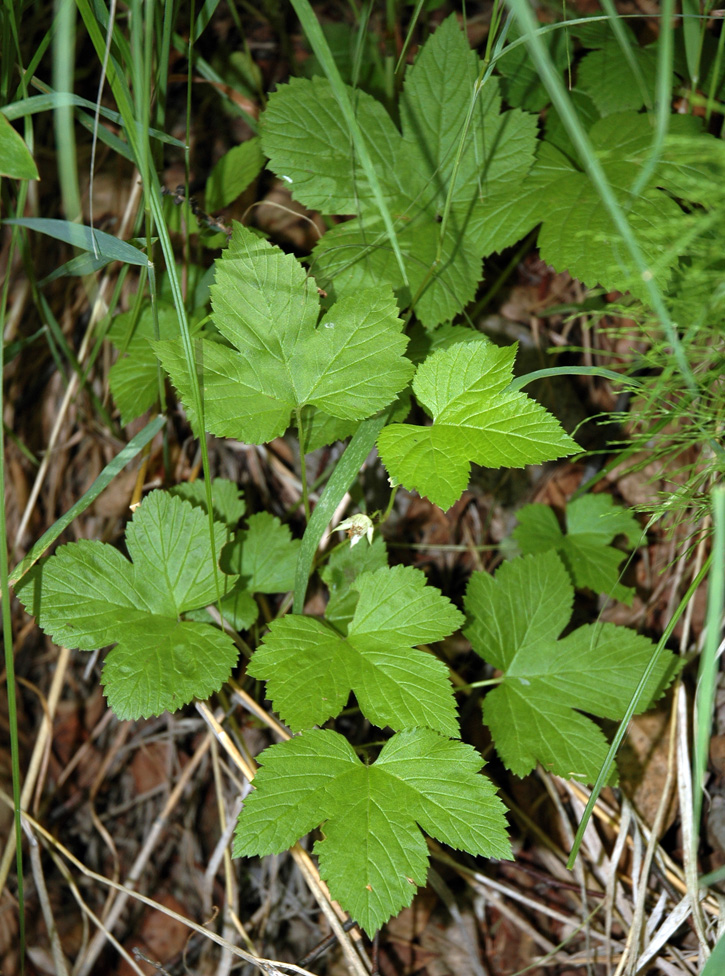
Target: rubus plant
{"type": "Point", "coordinates": [326, 350]}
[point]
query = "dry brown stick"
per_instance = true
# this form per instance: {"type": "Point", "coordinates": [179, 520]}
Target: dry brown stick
{"type": "Point", "coordinates": [271, 966]}
{"type": "Point", "coordinates": [94, 949]}
{"type": "Point", "coordinates": [59, 960]}
{"type": "Point", "coordinates": [42, 743]}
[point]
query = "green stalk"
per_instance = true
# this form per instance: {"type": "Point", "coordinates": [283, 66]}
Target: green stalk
{"type": "Point", "coordinates": [707, 674]}
{"type": "Point", "coordinates": [64, 45]}
{"type": "Point", "coordinates": [345, 473]}
{"type": "Point", "coordinates": [303, 463]}
{"type": "Point", "coordinates": [663, 97]}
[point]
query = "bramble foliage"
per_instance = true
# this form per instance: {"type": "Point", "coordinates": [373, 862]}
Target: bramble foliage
{"type": "Point", "coordinates": [373, 855]}
{"type": "Point", "coordinates": [592, 522]}
{"type": "Point", "coordinates": [464, 173]}
{"type": "Point", "coordinates": [535, 714]}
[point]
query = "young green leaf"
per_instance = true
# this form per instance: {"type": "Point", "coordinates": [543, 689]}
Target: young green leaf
{"type": "Point", "coordinates": [420, 171]}
{"type": "Point", "coordinates": [350, 366]}
{"type": "Point", "coordinates": [535, 714]}
{"type": "Point", "coordinates": [227, 499]}
{"type": "Point", "coordinates": [233, 173]}
{"type": "Point", "coordinates": [592, 522]}
{"type": "Point", "coordinates": [88, 595]}
{"type": "Point", "coordinates": [340, 573]}
{"type": "Point", "coordinates": [474, 419]}
{"type": "Point", "coordinates": [310, 668]}
{"type": "Point", "coordinates": [373, 855]}
{"type": "Point", "coordinates": [264, 555]}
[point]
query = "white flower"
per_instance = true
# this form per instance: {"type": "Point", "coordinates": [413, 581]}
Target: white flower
{"type": "Point", "coordinates": [356, 527]}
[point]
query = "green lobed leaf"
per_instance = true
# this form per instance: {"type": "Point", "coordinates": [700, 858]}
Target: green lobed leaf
{"type": "Point", "coordinates": [350, 366]}
{"type": "Point", "coordinates": [310, 668]}
{"type": "Point", "coordinates": [606, 76]}
{"type": "Point", "coordinates": [592, 521]}
{"type": "Point", "coordinates": [88, 595]}
{"type": "Point", "coordinates": [373, 855]}
{"type": "Point", "coordinates": [577, 233]}
{"type": "Point", "coordinates": [264, 555]}
{"type": "Point", "coordinates": [535, 714]}
{"type": "Point", "coordinates": [474, 419]}
{"type": "Point", "coordinates": [309, 147]}
{"type": "Point", "coordinates": [340, 573]}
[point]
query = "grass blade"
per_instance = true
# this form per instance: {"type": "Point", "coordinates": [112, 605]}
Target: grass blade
{"type": "Point", "coordinates": [108, 246]}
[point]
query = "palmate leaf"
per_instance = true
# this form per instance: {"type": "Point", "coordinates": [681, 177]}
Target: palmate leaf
{"type": "Point", "coordinates": [535, 714]}
{"type": "Point", "coordinates": [310, 668]}
{"type": "Point", "coordinates": [577, 234]}
{"type": "Point", "coordinates": [309, 147]}
{"type": "Point", "coordinates": [350, 366]}
{"type": "Point", "coordinates": [474, 419]}
{"type": "Point", "coordinates": [592, 522]}
{"type": "Point", "coordinates": [88, 595]}
{"type": "Point", "coordinates": [373, 855]}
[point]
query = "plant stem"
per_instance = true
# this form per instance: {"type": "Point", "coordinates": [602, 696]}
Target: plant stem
{"type": "Point", "coordinates": [303, 465]}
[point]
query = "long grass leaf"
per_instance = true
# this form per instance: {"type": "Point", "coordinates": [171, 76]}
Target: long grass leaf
{"type": "Point", "coordinates": [109, 247]}
{"type": "Point", "coordinates": [707, 674]}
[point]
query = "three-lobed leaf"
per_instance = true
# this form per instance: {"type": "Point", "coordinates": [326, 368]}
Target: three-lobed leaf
{"type": "Point", "coordinates": [475, 418]}
{"type": "Point", "coordinates": [373, 855]}
{"type": "Point", "coordinates": [455, 147]}
{"type": "Point", "coordinates": [592, 523]}
{"type": "Point", "coordinates": [88, 595]}
{"type": "Point", "coordinates": [577, 233]}
{"type": "Point", "coordinates": [310, 668]}
{"type": "Point", "coordinates": [350, 365]}
{"type": "Point", "coordinates": [535, 714]}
